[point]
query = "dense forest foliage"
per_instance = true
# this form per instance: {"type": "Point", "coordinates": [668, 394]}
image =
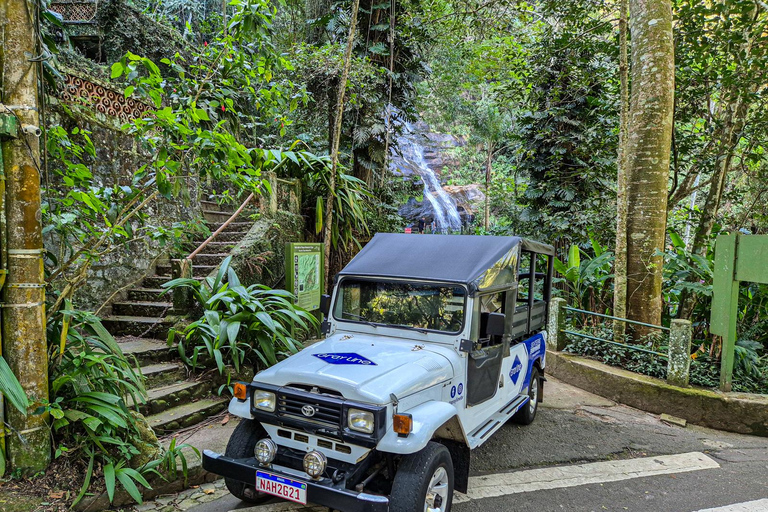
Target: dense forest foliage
{"type": "Point", "coordinates": [530, 93]}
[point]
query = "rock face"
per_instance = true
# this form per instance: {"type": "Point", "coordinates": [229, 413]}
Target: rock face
{"type": "Point", "coordinates": [468, 197]}
{"type": "Point", "coordinates": [422, 153]}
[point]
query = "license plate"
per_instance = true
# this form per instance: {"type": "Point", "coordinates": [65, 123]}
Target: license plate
{"type": "Point", "coordinates": [282, 487]}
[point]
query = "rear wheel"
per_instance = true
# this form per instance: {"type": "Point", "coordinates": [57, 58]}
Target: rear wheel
{"type": "Point", "coordinates": [424, 481]}
{"type": "Point", "coordinates": [241, 446]}
{"type": "Point", "coordinates": [526, 415]}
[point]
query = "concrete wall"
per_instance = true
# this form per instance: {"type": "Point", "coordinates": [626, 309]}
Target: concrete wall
{"type": "Point", "coordinates": [734, 412]}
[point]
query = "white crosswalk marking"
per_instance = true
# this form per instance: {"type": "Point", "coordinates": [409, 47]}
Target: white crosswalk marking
{"type": "Point", "coordinates": [583, 474]}
{"type": "Point", "coordinates": [502, 484]}
{"type": "Point", "coordinates": [749, 506]}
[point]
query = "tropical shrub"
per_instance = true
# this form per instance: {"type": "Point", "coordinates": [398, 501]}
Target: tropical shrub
{"type": "Point", "coordinates": [94, 391]}
{"type": "Point", "coordinates": [240, 325]}
{"type": "Point", "coordinates": [588, 280]}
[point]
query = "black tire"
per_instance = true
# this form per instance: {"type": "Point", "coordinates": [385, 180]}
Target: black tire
{"type": "Point", "coordinates": [413, 477]}
{"type": "Point", "coordinates": [240, 446]}
{"type": "Point", "coordinates": [527, 414]}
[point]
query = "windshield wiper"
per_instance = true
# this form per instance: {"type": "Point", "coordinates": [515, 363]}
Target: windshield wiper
{"type": "Point", "coordinates": [359, 319]}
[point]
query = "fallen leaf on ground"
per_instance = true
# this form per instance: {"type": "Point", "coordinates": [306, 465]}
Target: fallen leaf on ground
{"type": "Point", "coordinates": [209, 491]}
{"type": "Point", "coordinates": [56, 495]}
{"type": "Point", "coordinates": [225, 420]}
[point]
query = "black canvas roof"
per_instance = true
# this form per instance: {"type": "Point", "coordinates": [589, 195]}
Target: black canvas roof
{"type": "Point", "coordinates": [448, 258]}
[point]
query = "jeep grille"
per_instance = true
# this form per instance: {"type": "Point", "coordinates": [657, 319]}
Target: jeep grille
{"type": "Point", "coordinates": [326, 412]}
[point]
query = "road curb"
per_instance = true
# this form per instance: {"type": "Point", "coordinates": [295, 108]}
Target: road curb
{"type": "Point", "coordinates": [733, 412]}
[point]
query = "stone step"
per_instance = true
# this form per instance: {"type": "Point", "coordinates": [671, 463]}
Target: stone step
{"type": "Point", "coordinates": [224, 236]}
{"type": "Point", "coordinates": [140, 326]}
{"type": "Point", "coordinates": [146, 350]}
{"type": "Point", "coordinates": [197, 270]}
{"type": "Point", "coordinates": [162, 374]}
{"type": "Point", "coordinates": [210, 258]}
{"type": "Point", "coordinates": [186, 415]}
{"type": "Point", "coordinates": [213, 205]}
{"type": "Point", "coordinates": [147, 294]}
{"type": "Point", "coordinates": [216, 216]}
{"type": "Point", "coordinates": [238, 225]}
{"type": "Point", "coordinates": [165, 397]}
{"type": "Point", "coordinates": [159, 281]}
{"type": "Point", "coordinates": [143, 308]}
{"type": "Point", "coordinates": [220, 245]}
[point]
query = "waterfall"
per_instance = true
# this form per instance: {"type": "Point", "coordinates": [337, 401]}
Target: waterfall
{"type": "Point", "coordinates": [445, 214]}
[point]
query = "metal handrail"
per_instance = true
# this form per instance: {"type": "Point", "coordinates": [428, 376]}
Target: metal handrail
{"type": "Point", "coordinates": [625, 345]}
{"type": "Point", "coordinates": [220, 229]}
{"type": "Point", "coordinates": [617, 318]}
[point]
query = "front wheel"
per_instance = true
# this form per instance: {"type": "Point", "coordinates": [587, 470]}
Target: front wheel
{"type": "Point", "coordinates": [424, 481]}
{"type": "Point", "coordinates": [241, 446]}
{"type": "Point", "coordinates": [526, 415]}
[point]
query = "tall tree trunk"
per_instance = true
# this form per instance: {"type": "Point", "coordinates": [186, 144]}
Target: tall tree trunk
{"type": "Point", "coordinates": [649, 139]}
{"type": "Point", "coordinates": [313, 10]}
{"type": "Point", "coordinates": [732, 125]}
{"type": "Point", "coordinates": [488, 170]}
{"type": "Point", "coordinates": [391, 38]}
{"type": "Point", "coordinates": [327, 227]}
{"type": "Point", "coordinates": [620, 264]}
{"type": "Point", "coordinates": [359, 170]}
{"type": "Point", "coordinates": [23, 325]}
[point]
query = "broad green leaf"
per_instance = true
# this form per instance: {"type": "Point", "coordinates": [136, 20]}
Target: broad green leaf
{"type": "Point", "coordinates": [129, 486]}
{"type": "Point", "coordinates": [117, 70]}
{"type": "Point", "coordinates": [574, 258]}
{"type": "Point", "coordinates": [12, 389]}
{"type": "Point", "coordinates": [109, 481]}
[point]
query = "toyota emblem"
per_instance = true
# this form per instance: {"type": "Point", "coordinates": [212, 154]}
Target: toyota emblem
{"type": "Point", "coordinates": [308, 411]}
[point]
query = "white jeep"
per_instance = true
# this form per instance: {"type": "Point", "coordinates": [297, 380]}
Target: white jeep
{"type": "Point", "coordinates": [433, 343]}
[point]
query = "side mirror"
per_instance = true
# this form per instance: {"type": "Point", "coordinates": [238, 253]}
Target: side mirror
{"type": "Point", "coordinates": [325, 304]}
{"type": "Point", "coordinates": [494, 324]}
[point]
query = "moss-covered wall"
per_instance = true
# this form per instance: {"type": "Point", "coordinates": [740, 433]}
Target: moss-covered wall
{"type": "Point", "coordinates": [117, 158]}
{"type": "Point", "coordinates": [260, 256]}
{"type": "Point", "coordinates": [125, 28]}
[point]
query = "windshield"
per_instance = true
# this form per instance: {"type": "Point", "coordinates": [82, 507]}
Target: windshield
{"type": "Point", "coordinates": [433, 307]}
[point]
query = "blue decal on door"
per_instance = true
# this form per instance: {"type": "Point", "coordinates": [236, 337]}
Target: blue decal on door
{"type": "Point", "coordinates": [344, 358]}
{"type": "Point", "coordinates": [453, 391]}
{"type": "Point", "coordinates": [514, 373]}
{"type": "Point", "coordinates": [461, 388]}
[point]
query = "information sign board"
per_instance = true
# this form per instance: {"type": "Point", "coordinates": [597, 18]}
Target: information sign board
{"type": "Point", "coordinates": [304, 273]}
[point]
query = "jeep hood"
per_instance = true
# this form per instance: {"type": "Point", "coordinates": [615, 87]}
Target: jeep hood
{"type": "Point", "coordinates": [364, 368]}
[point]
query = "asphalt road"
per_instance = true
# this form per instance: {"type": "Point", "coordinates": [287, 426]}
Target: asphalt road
{"type": "Point", "coordinates": [577, 431]}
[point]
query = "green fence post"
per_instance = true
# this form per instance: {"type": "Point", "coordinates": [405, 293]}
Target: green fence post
{"type": "Point", "coordinates": [556, 325]}
{"type": "Point", "coordinates": [679, 360]}
{"type": "Point", "coordinates": [725, 304]}
{"type": "Point", "coordinates": [182, 296]}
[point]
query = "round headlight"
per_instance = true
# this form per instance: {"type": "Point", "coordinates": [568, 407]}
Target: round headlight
{"type": "Point", "coordinates": [264, 400]}
{"type": "Point", "coordinates": [314, 464]}
{"type": "Point", "coordinates": [265, 451]}
{"type": "Point", "coordinates": [362, 421]}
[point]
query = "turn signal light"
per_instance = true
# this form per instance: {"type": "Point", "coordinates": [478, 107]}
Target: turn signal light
{"type": "Point", "coordinates": [240, 391]}
{"type": "Point", "coordinates": [403, 424]}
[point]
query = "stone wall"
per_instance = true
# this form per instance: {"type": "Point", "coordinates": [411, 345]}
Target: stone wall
{"type": "Point", "coordinates": [117, 159]}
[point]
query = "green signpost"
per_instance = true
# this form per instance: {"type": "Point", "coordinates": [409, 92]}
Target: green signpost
{"type": "Point", "coordinates": [304, 272]}
{"type": "Point", "coordinates": [737, 258]}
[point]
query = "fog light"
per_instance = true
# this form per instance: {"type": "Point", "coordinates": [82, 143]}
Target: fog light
{"type": "Point", "coordinates": [314, 464]}
{"type": "Point", "coordinates": [265, 451]}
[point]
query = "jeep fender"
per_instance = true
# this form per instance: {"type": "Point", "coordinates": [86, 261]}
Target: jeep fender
{"type": "Point", "coordinates": [427, 418]}
{"type": "Point", "coordinates": [240, 408]}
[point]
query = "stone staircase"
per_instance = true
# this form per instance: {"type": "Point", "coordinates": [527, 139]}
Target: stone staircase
{"type": "Point", "coordinates": [141, 322]}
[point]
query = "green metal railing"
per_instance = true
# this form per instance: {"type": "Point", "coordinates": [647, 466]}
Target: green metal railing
{"type": "Point", "coordinates": [612, 342]}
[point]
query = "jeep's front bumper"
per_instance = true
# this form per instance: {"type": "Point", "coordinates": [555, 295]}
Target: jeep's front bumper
{"type": "Point", "coordinates": [320, 492]}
